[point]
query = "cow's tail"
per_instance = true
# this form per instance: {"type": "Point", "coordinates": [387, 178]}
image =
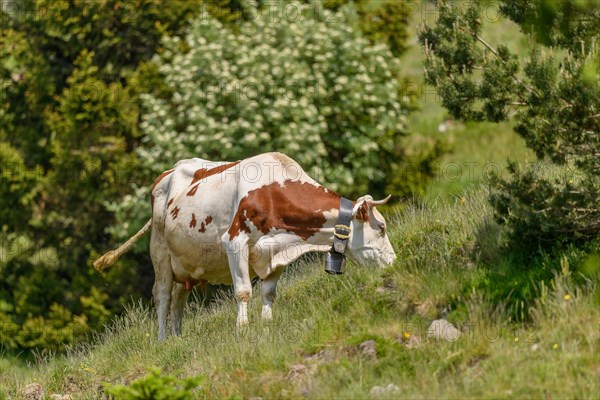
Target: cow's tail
{"type": "Point", "coordinates": [108, 259]}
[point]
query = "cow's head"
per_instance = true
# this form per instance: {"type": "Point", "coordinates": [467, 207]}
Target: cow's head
{"type": "Point", "coordinates": [368, 242]}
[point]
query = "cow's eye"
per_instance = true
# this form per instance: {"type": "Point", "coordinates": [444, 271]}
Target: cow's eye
{"type": "Point", "coordinates": [381, 227]}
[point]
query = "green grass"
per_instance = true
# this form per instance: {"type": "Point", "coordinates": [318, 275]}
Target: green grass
{"type": "Point", "coordinates": [443, 269]}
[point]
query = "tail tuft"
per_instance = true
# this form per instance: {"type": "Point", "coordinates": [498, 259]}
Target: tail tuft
{"type": "Point", "coordinates": [106, 261]}
{"type": "Point", "coordinates": [111, 257]}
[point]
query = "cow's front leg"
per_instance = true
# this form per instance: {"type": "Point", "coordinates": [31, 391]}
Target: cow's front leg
{"type": "Point", "coordinates": [269, 291]}
{"type": "Point", "coordinates": [237, 253]}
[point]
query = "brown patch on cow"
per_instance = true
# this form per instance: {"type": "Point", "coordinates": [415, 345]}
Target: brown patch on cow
{"type": "Point", "coordinates": [362, 214]}
{"type": "Point", "coordinates": [193, 190]}
{"type": "Point", "coordinates": [160, 178]}
{"type": "Point", "coordinates": [295, 207]}
{"type": "Point", "coordinates": [204, 173]}
{"type": "Point", "coordinates": [204, 224]}
{"type": "Point", "coordinates": [156, 181]}
{"type": "Point", "coordinates": [193, 221]}
{"type": "Point", "coordinates": [170, 202]}
{"type": "Point", "coordinates": [175, 212]}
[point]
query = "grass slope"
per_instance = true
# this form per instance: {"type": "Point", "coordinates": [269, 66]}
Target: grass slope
{"type": "Point", "coordinates": [312, 349]}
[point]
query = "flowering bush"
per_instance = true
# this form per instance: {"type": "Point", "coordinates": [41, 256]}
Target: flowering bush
{"type": "Point", "coordinates": [300, 80]}
{"type": "Point", "coordinates": [303, 83]}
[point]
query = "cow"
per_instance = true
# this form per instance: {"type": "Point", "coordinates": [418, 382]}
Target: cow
{"type": "Point", "coordinates": [228, 222]}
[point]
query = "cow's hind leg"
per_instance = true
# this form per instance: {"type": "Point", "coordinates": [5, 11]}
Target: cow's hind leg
{"type": "Point", "coordinates": [269, 291]}
{"type": "Point", "coordinates": [179, 297]}
{"type": "Point", "coordinates": [163, 282]}
{"type": "Point", "coordinates": [237, 253]}
{"type": "Point", "coordinates": [162, 299]}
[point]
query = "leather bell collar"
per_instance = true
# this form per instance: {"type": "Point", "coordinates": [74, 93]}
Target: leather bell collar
{"type": "Point", "coordinates": [336, 260]}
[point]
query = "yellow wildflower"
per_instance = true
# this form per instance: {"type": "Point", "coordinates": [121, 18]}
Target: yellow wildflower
{"type": "Point", "coordinates": [555, 346]}
{"type": "Point", "coordinates": [567, 297]}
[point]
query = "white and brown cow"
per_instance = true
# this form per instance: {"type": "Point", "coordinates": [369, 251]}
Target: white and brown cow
{"type": "Point", "coordinates": [227, 222]}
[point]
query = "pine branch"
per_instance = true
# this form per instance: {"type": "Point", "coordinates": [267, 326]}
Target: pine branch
{"type": "Point", "coordinates": [495, 52]}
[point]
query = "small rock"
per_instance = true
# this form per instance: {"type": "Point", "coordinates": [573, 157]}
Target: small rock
{"type": "Point", "coordinates": [442, 329]}
{"type": "Point", "coordinates": [377, 391]}
{"type": "Point", "coordinates": [367, 348]}
{"type": "Point", "coordinates": [296, 371]}
{"type": "Point", "coordinates": [56, 396]}
{"type": "Point", "coordinates": [325, 355]}
{"type": "Point", "coordinates": [33, 391]}
{"type": "Point", "coordinates": [389, 284]}
{"type": "Point", "coordinates": [535, 347]}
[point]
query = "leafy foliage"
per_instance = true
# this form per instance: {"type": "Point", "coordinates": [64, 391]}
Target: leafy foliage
{"type": "Point", "coordinates": [281, 78]}
{"type": "Point", "coordinates": [382, 21]}
{"type": "Point", "coordinates": [156, 386]}
{"type": "Point", "coordinates": [69, 81]}
{"type": "Point", "coordinates": [554, 95]}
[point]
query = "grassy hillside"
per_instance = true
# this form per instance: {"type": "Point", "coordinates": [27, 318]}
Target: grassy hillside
{"type": "Point", "coordinates": [449, 265]}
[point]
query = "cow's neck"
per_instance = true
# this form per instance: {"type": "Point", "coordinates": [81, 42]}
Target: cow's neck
{"type": "Point", "coordinates": [308, 210]}
{"type": "Point", "coordinates": [334, 217]}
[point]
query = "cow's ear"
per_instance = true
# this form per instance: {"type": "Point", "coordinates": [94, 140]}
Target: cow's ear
{"type": "Point", "coordinates": [362, 214]}
{"type": "Point", "coordinates": [362, 208]}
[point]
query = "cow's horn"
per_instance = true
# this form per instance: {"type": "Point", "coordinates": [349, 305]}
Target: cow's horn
{"type": "Point", "coordinates": [374, 203]}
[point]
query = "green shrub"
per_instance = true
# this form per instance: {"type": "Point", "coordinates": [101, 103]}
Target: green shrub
{"type": "Point", "coordinates": [69, 110]}
{"type": "Point", "coordinates": [156, 386]}
{"type": "Point", "coordinates": [554, 96]}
